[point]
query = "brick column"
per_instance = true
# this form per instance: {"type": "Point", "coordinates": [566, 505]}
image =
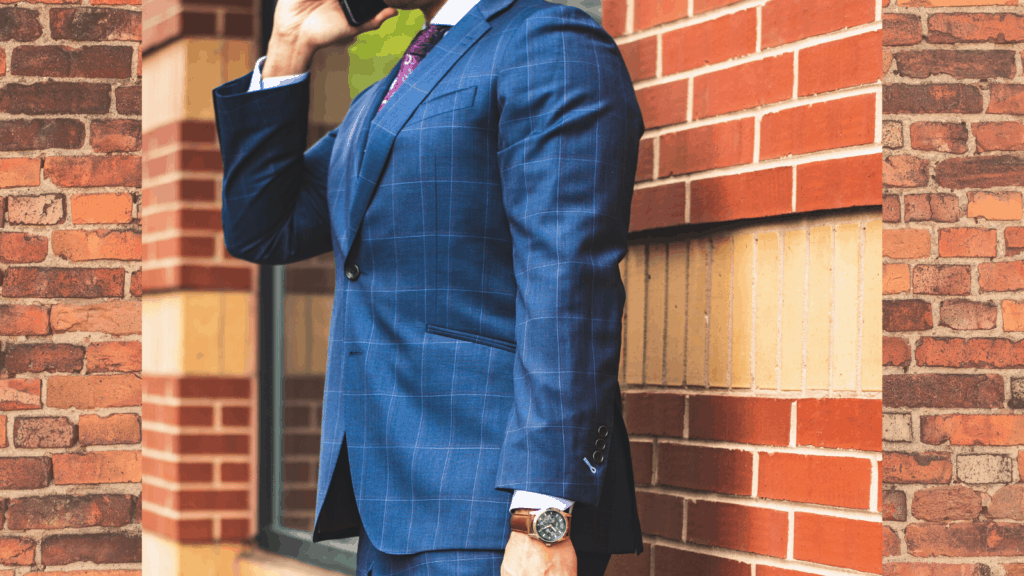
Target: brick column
{"type": "Point", "coordinates": [751, 362]}
{"type": "Point", "coordinates": [954, 285]}
{"type": "Point", "coordinates": [70, 251]}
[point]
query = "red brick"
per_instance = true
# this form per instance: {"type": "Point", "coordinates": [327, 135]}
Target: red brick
{"type": "Point", "coordinates": [3, 444]}
{"type": "Point", "coordinates": [68, 511]}
{"type": "Point", "coordinates": [1001, 276]}
{"type": "Point", "coordinates": [841, 542]}
{"type": "Point", "coordinates": [995, 205]}
{"type": "Point", "coordinates": [178, 415]}
{"type": "Point", "coordinates": [960, 64]}
{"type": "Point", "coordinates": [101, 208]}
{"type": "Point", "coordinates": [63, 283]}
{"type": "Point", "coordinates": [967, 243]}
{"type": "Point", "coordinates": [998, 136]}
{"type": "Point", "coordinates": [106, 430]}
{"type": "Point", "coordinates": [115, 135]}
{"type": "Point", "coordinates": [901, 30]}
{"type": "Point", "coordinates": [116, 318]}
{"type": "Point", "coordinates": [999, 28]}
{"type": "Point", "coordinates": [239, 416]}
{"type": "Point", "coordinates": [970, 353]}
{"type": "Point", "coordinates": [932, 207]}
{"type": "Point", "coordinates": [234, 472]}
{"type": "Point", "coordinates": [705, 469]}
{"type": "Point", "coordinates": [895, 278]}
{"type": "Point", "coordinates": [785, 21]}
{"type": "Point", "coordinates": [939, 136]}
{"type": "Point", "coordinates": [198, 443]}
{"type": "Point", "coordinates": [744, 86]}
{"type": "Point", "coordinates": [840, 64]}
{"type": "Point", "coordinates": [658, 207]}
{"type": "Point", "coordinates": [645, 161]}
{"type": "Point", "coordinates": [894, 506]}
{"type": "Point", "coordinates": [675, 562]}
{"type": "Point", "coordinates": [1013, 316]}
{"type": "Point", "coordinates": [661, 514]}
{"type": "Point", "coordinates": [17, 551]}
{"type": "Point", "coordinates": [663, 104]}
{"type": "Point", "coordinates": [68, 62]}
{"type": "Point", "coordinates": [708, 147]}
{"type": "Point", "coordinates": [895, 352]}
{"type": "Point", "coordinates": [642, 455]}
{"type": "Point", "coordinates": [182, 160]}
{"type": "Point", "coordinates": [199, 387]}
{"type": "Point", "coordinates": [24, 473]}
{"type": "Point", "coordinates": [1014, 241]}
{"type": "Point", "coordinates": [178, 471]}
{"type": "Point", "coordinates": [613, 17]}
{"type": "Point", "coordinates": [924, 468]}
{"type": "Point", "coordinates": [648, 14]}
{"type": "Point", "coordinates": [85, 392]}
{"type": "Point", "coordinates": [839, 183]}
{"type": "Point", "coordinates": [83, 245]}
{"type": "Point", "coordinates": [192, 500]}
{"type": "Point", "coordinates": [114, 357]}
{"type": "Point", "coordinates": [973, 429]}
{"type": "Point", "coordinates": [797, 478]}
{"type": "Point", "coordinates": [195, 277]}
{"type": "Point", "coordinates": [183, 219]}
{"type": "Point", "coordinates": [967, 315]}
{"type": "Point", "coordinates": [839, 423]}
{"type": "Point", "coordinates": [1007, 502]}
{"type": "Point", "coordinates": [702, 6]}
{"type": "Point", "coordinates": [49, 97]}
{"type": "Point", "coordinates": [86, 171]}
{"type": "Point", "coordinates": [101, 548]}
{"type": "Point", "coordinates": [41, 133]}
{"type": "Point", "coordinates": [18, 172]}
{"type": "Point", "coordinates": [44, 358]}
{"type": "Point", "coordinates": [19, 248]}
{"type": "Point", "coordinates": [97, 467]}
{"type": "Point", "coordinates": [19, 320]}
{"type": "Point", "coordinates": [718, 40]}
{"type": "Point", "coordinates": [129, 99]}
{"type": "Point", "coordinates": [763, 421]}
{"type": "Point", "coordinates": [35, 210]}
{"type": "Point", "coordinates": [980, 172]}
{"type": "Point", "coordinates": [892, 210]}
{"type": "Point", "coordinates": [743, 528]}
{"type": "Point", "coordinates": [965, 539]}
{"type": "Point", "coordinates": [238, 25]}
{"type": "Point", "coordinates": [946, 280]}
{"type": "Point", "coordinates": [763, 570]}
{"type": "Point", "coordinates": [906, 243]}
{"type": "Point", "coordinates": [928, 569]}
{"type": "Point", "coordinates": [173, 133]}
{"type": "Point", "coordinates": [904, 172]}
{"type": "Point", "coordinates": [19, 24]}
{"type": "Point", "coordinates": [931, 99]}
{"type": "Point", "coordinates": [748, 195]}
{"type": "Point", "coordinates": [198, 531]}
{"type": "Point", "coordinates": [641, 58]}
{"type": "Point", "coordinates": [816, 127]}
{"type": "Point", "coordinates": [20, 394]}
{"type": "Point", "coordinates": [943, 504]}
{"type": "Point", "coordinates": [95, 24]}
{"type": "Point", "coordinates": [235, 530]}
{"type": "Point", "coordinates": [944, 390]}
{"type": "Point", "coordinates": [906, 315]}
{"type": "Point", "coordinates": [44, 432]}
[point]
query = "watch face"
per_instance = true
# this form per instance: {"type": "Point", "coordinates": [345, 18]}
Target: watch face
{"type": "Point", "coordinates": [550, 526]}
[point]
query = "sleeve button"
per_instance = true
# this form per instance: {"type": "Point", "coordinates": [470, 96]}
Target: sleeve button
{"type": "Point", "coordinates": [598, 456]}
{"type": "Point", "coordinates": [602, 431]}
{"type": "Point", "coordinates": [600, 444]}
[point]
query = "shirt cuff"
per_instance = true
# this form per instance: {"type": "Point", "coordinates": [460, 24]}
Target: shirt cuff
{"type": "Point", "coordinates": [258, 82]}
{"type": "Point", "coordinates": [524, 499]}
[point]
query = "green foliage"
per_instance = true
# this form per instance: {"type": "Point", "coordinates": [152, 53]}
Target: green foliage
{"type": "Point", "coordinates": [374, 53]}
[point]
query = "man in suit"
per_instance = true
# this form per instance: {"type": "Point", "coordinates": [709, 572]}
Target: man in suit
{"type": "Point", "coordinates": [477, 202]}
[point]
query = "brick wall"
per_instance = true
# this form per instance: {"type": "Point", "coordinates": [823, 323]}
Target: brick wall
{"type": "Point", "coordinates": [953, 283]}
{"type": "Point", "coordinates": [752, 337]}
{"type": "Point", "coordinates": [70, 321]}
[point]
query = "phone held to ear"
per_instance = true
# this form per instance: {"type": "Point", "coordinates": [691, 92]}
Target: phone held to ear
{"type": "Point", "coordinates": [359, 12]}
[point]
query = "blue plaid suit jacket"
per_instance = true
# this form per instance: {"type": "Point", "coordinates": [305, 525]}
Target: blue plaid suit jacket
{"type": "Point", "coordinates": [487, 206]}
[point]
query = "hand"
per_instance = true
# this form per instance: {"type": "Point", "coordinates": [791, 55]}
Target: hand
{"type": "Point", "coordinates": [525, 556]}
{"type": "Point", "coordinates": [301, 27]}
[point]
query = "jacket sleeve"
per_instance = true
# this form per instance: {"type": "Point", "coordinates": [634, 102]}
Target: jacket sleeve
{"type": "Point", "coordinates": [275, 191]}
{"type": "Point", "coordinates": [569, 132]}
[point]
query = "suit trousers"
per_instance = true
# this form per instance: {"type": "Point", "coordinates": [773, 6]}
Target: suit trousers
{"type": "Point", "coordinates": [373, 562]}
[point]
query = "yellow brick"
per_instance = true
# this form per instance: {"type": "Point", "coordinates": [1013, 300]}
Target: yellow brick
{"type": "Point", "coordinates": [204, 324]}
{"type": "Point", "coordinates": [657, 287]}
{"type": "Point", "coordinates": [675, 317]}
{"type": "Point", "coordinates": [742, 310]}
{"type": "Point", "coordinates": [636, 286]}
{"type": "Point", "coordinates": [766, 356]}
{"type": "Point", "coordinates": [162, 337]}
{"type": "Point", "coordinates": [320, 328]}
{"type": "Point", "coordinates": [205, 72]}
{"type": "Point", "coordinates": [943, 3]}
{"type": "Point", "coordinates": [844, 375]}
{"type": "Point", "coordinates": [718, 324]}
{"type": "Point", "coordinates": [871, 342]}
{"type": "Point", "coordinates": [696, 313]}
{"type": "Point", "coordinates": [819, 308]}
{"type": "Point", "coordinates": [163, 92]}
{"type": "Point", "coordinates": [296, 335]}
{"type": "Point", "coordinates": [238, 334]}
{"type": "Point", "coordinates": [793, 277]}
{"type": "Point", "coordinates": [240, 56]}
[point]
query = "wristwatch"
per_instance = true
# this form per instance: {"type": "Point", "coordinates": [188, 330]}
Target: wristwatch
{"type": "Point", "coordinates": [549, 525]}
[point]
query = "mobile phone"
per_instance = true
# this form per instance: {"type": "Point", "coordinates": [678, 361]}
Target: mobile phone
{"type": "Point", "coordinates": [359, 12]}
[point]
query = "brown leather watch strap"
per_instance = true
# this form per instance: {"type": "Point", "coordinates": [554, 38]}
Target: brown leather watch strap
{"type": "Point", "coordinates": [521, 520]}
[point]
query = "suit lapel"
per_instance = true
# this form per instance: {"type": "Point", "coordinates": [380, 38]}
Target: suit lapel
{"type": "Point", "coordinates": [385, 126]}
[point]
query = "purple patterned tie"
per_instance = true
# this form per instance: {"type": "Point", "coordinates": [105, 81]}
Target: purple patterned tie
{"type": "Point", "coordinates": [425, 40]}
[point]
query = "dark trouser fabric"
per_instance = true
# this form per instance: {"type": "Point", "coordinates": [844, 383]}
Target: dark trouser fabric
{"type": "Point", "coordinates": [373, 562]}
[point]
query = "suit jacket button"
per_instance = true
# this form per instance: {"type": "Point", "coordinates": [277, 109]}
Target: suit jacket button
{"type": "Point", "coordinates": [600, 444]}
{"type": "Point", "coordinates": [598, 456]}
{"type": "Point", "coordinates": [602, 431]}
{"type": "Point", "coordinates": [352, 272]}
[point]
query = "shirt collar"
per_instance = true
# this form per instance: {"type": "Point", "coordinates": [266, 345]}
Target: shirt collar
{"type": "Point", "coordinates": [452, 12]}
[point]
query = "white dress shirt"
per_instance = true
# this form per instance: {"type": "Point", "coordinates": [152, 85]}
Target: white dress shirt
{"type": "Point", "coordinates": [448, 15]}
